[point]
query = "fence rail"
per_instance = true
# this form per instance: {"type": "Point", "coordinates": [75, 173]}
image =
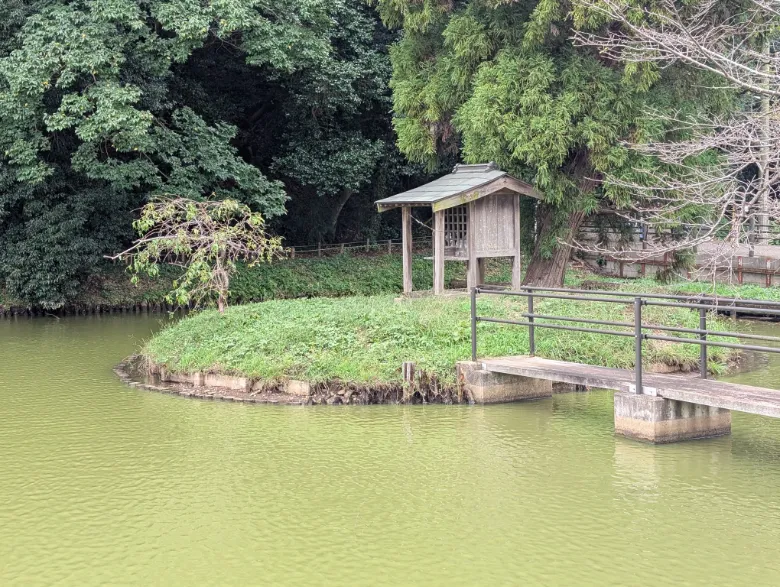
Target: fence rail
{"type": "Point", "coordinates": [636, 329]}
{"type": "Point", "coordinates": [389, 246]}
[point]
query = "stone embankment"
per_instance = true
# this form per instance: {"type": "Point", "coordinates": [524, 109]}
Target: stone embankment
{"type": "Point", "coordinates": [138, 371]}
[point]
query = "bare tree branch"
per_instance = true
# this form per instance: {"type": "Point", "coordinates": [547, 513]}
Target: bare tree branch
{"type": "Point", "coordinates": [716, 189]}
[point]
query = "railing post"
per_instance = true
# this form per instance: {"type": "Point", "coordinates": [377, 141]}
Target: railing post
{"type": "Point", "coordinates": [531, 329]}
{"type": "Point", "coordinates": [474, 324]}
{"type": "Point", "coordinates": [638, 343]}
{"type": "Point", "coordinates": [703, 347]}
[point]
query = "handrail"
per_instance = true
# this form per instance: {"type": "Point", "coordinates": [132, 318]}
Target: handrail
{"type": "Point", "coordinates": [636, 329]}
{"type": "Point", "coordinates": [656, 296]}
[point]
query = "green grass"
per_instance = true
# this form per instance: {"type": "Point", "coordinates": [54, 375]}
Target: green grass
{"type": "Point", "coordinates": [338, 276]}
{"type": "Point", "coordinates": [365, 340]}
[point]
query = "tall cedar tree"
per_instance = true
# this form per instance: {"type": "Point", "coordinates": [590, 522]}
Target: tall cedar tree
{"type": "Point", "coordinates": [499, 80]}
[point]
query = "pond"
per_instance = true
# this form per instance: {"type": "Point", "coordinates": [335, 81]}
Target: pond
{"type": "Point", "coordinates": [104, 484]}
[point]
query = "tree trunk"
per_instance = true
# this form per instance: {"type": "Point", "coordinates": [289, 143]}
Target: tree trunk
{"type": "Point", "coordinates": [765, 173]}
{"type": "Point", "coordinates": [549, 272]}
{"type": "Point", "coordinates": [342, 198]}
{"type": "Point", "coordinates": [222, 279]}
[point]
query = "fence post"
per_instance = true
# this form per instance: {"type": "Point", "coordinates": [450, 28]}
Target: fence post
{"type": "Point", "coordinates": [389, 246]}
{"type": "Point", "coordinates": [342, 248]}
{"type": "Point", "coordinates": [368, 241]}
{"type": "Point", "coordinates": [292, 252]}
{"type": "Point", "coordinates": [531, 328]}
{"type": "Point", "coordinates": [474, 324]}
{"type": "Point", "coordinates": [638, 343]}
{"type": "Point", "coordinates": [703, 348]}
{"type": "Point", "coordinates": [408, 369]}
{"type": "Point", "coordinates": [319, 248]}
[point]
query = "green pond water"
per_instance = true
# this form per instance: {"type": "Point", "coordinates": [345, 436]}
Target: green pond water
{"type": "Point", "coordinates": [102, 484]}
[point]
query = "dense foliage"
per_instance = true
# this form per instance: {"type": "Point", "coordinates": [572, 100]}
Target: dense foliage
{"type": "Point", "coordinates": [104, 103]}
{"type": "Point", "coordinates": [285, 106]}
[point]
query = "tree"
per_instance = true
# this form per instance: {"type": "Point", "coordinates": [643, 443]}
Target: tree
{"type": "Point", "coordinates": [502, 81]}
{"type": "Point", "coordinates": [719, 173]}
{"type": "Point", "coordinates": [88, 129]}
{"type": "Point", "coordinates": [105, 104]}
{"type": "Point", "coordinates": [339, 125]}
{"type": "Point", "coordinates": [205, 239]}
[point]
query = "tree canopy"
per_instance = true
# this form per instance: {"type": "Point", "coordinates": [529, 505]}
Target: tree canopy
{"type": "Point", "coordinates": [104, 104]}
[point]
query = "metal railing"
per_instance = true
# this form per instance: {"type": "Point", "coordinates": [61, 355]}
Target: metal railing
{"type": "Point", "coordinates": [636, 329]}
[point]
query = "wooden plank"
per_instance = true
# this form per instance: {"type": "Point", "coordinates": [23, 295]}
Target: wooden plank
{"type": "Point", "coordinates": [718, 394]}
{"type": "Point", "coordinates": [494, 231]}
{"type": "Point", "coordinates": [448, 258]}
{"type": "Point", "coordinates": [438, 252]}
{"type": "Point", "coordinates": [406, 231]}
{"type": "Point", "coordinates": [496, 253]}
{"type": "Point", "coordinates": [517, 259]}
{"type": "Point", "coordinates": [481, 269]}
{"type": "Point", "coordinates": [471, 277]}
{"type": "Point", "coordinates": [385, 207]}
{"type": "Point", "coordinates": [563, 371]}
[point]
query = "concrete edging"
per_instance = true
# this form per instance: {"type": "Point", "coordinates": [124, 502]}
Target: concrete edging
{"type": "Point", "coordinates": [138, 371]}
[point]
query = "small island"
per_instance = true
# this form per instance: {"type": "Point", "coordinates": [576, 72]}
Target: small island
{"type": "Point", "coordinates": [352, 350]}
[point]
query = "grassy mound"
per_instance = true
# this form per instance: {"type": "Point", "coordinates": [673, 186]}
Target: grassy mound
{"type": "Point", "coordinates": [364, 340]}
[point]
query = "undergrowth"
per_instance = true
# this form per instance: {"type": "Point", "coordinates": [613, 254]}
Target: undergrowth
{"type": "Point", "coordinates": [354, 275]}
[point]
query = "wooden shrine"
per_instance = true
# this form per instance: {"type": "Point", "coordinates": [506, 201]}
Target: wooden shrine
{"type": "Point", "coordinates": [476, 215]}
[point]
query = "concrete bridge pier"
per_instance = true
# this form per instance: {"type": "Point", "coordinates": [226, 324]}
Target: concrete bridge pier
{"type": "Point", "coordinates": [658, 420]}
{"type": "Point", "coordinates": [488, 387]}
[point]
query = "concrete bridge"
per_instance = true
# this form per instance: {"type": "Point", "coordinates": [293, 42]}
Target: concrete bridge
{"type": "Point", "coordinates": [653, 407]}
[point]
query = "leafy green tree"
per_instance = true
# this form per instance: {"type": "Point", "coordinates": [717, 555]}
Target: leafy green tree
{"type": "Point", "coordinates": [205, 239]}
{"type": "Point", "coordinates": [502, 81]}
{"type": "Point", "coordinates": [104, 103]}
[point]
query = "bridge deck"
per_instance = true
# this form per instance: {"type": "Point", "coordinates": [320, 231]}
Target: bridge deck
{"type": "Point", "coordinates": [719, 394]}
